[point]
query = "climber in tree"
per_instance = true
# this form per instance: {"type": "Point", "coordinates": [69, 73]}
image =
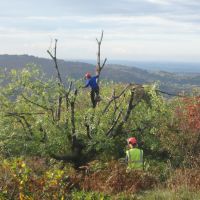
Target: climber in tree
{"type": "Point", "coordinates": [92, 82]}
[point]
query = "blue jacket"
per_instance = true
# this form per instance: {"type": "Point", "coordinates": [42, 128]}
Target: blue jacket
{"type": "Point", "coordinates": [92, 82]}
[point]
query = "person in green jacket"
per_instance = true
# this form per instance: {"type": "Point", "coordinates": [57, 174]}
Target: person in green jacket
{"type": "Point", "coordinates": [134, 155]}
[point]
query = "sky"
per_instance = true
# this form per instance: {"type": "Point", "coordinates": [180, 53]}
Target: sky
{"type": "Point", "coordinates": [160, 30]}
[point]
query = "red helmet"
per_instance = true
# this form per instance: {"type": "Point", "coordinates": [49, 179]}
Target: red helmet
{"type": "Point", "coordinates": [132, 140]}
{"type": "Point", "coordinates": [88, 75]}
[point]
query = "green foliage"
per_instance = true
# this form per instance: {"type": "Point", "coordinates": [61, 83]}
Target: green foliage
{"type": "Point", "coordinates": [30, 125]}
{"type": "Point", "coordinates": [36, 124]}
{"type": "Point", "coordinates": [27, 128]}
{"type": "Point", "coordinates": [162, 194]}
{"type": "Point", "coordinates": [150, 195]}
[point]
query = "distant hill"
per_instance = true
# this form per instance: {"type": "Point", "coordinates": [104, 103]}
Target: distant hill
{"type": "Point", "coordinates": [77, 70]}
{"type": "Point", "coordinates": [118, 73]}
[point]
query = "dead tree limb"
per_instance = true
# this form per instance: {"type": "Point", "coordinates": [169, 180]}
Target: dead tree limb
{"type": "Point", "coordinates": [23, 113]}
{"type": "Point", "coordinates": [130, 107]}
{"type": "Point", "coordinates": [73, 127]}
{"type": "Point", "coordinates": [41, 106]}
{"type": "Point", "coordinates": [88, 131]}
{"type": "Point", "coordinates": [60, 83]}
{"type": "Point", "coordinates": [169, 94]}
{"type": "Point", "coordinates": [67, 94]}
{"type": "Point", "coordinates": [114, 97]}
{"type": "Point", "coordinates": [54, 58]}
{"type": "Point", "coordinates": [67, 103]}
{"type": "Point", "coordinates": [99, 66]}
{"type": "Point", "coordinates": [23, 121]}
{"type": "Point", "coordinates": [115, 106]}
{"type": "Point", "coordinates": [27, 125]}
{"type": "Point", "coordinates": [109, 132]}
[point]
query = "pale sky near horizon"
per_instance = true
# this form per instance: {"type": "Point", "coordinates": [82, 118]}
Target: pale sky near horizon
{"type": "Point", "coordinates": [133, 29]}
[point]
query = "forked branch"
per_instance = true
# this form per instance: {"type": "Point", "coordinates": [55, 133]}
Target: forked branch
{"type": "Point", "coordinates": [99, 66]}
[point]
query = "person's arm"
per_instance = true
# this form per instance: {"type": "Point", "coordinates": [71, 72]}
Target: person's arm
{"type": "Point", "coordinates": [96, 77]}
{"type": "Point", "coordinates": [87, 84]}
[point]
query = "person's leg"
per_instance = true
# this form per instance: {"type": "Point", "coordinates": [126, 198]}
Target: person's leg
{"type": "Point", "coordinates": [92, 95]}
{"type": "Point", "coordinates": [97, 97]}
{"type": "Point", "coordinates": [97, 92]}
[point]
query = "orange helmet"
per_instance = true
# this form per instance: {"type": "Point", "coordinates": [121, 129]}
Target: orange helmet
{"type": "Point", "coordinates": [88, 75]}
{"type": "Point", "coordinates": [132, 140]}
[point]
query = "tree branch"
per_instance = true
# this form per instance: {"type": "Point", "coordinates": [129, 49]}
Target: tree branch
{"type": "Point", "coordinates": [54, 57]}
{"type": "Point", "coordinates": [23, 113]}
{"type": "Point", "coordinates": [109, 132]}
{"type": "Point", "coordinates": [41, 106]}
{"type": "Point", "coordinates": [73, 129]}
{"type": "Point", "coordinates": [130, 107]}
{"type": "Point", "coordinates": [20, 118]}
{"type": "Point", "coordinates": [113, 98]}
{"type": "Point", "coordinates": [99, 66]}
{"type": "Point", "coordinates": [88, 130]}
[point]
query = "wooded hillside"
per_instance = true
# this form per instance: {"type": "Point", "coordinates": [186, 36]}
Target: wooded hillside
{"type": "Point", "coordinates": [168, 81]}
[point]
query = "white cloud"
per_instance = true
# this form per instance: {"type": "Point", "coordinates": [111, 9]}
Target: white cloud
{"type": "Point", "coordinates": [133, 28]}
{"type": "Point", "coordinates": [161, 2]}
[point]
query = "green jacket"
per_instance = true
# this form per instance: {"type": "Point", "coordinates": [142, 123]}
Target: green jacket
{"type": "Point", "coordinates": [135, 159]}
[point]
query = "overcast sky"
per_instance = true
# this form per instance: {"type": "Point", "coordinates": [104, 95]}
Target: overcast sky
{"type": "Point", "coordinates": [133, 29]}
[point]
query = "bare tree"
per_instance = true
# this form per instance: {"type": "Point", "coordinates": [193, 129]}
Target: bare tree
{"type": "Point", "coordinates": [99, 67]}
{"type": "Point", "coordinates": [60, 83]}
